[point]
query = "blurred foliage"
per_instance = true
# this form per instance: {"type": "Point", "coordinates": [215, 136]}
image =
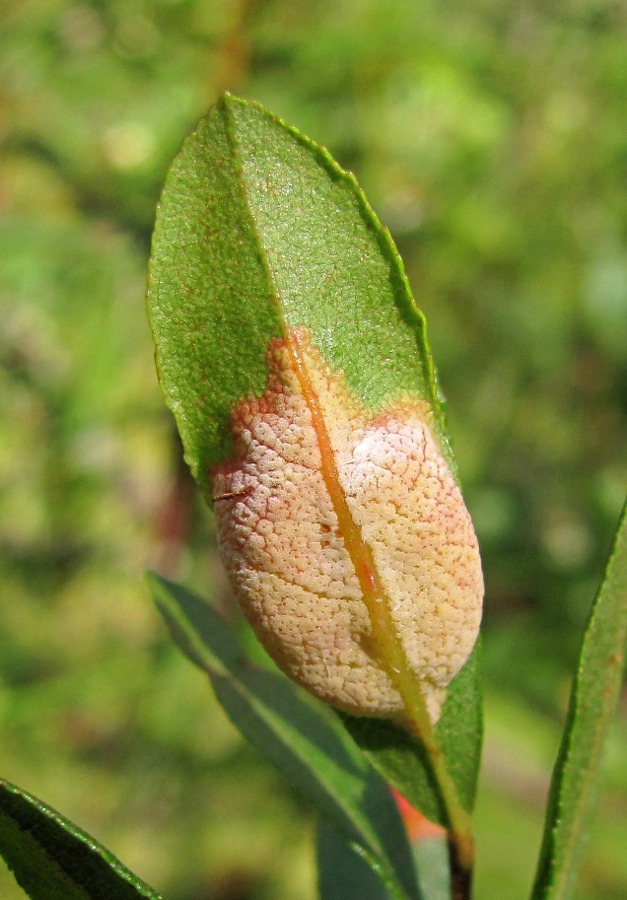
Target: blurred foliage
{"type": "Point", "coordinates": [491, 139]}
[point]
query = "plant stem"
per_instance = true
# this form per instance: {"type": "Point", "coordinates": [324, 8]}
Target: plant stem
{"type": "Point", "coordinates": [461, 879]}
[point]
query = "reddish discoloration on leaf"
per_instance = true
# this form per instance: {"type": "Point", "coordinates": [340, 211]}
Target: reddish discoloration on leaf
{"type": "Point", "coordinates": [418, 827]}
{"type": "Point", "coordinates": [323, 503]}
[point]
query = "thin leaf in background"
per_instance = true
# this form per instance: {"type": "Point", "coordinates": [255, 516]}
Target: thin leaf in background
{"type": "Point", "coordinates": [593, 700]}
{"type": "Point", "coordinates": [259, 230]}
{"type": "Point", "coordinates": [432, 865]}
{"type": "Point", "coordinates": [52, 859]}
{"type": "Point", "coordinates": [429, 843]}
{"type": "Point", "coordinates": [343, 872]}
{"type": "Point", "coordinates": [298, 734]}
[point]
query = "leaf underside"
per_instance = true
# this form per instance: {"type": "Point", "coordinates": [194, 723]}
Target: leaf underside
{"type": "Point", "coordinates": [575, 781]}
{"type": "Point", "coordinates": [260, 232]}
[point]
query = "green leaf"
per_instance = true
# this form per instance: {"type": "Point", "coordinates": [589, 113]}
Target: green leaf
{"type": "Point", "coordinates": [432, 864]}
{"type": "Point", "coordinates": [297, 733]}
{"type": "Point", "coordinates": [52, 859]}
{"type": "Point", "coordinates": [402, 761]}
{"type": "Point", "coordinates": [259, 230]}
{"type": "Point", "coordinates": [594, 696]}
{"type": "Point", "coordinates": [343, 872]}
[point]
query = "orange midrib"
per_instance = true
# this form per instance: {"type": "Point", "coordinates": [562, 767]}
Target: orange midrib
{"type": "Point", "coordinates": [386, 639]}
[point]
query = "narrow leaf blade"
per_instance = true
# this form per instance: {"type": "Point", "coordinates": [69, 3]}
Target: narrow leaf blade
{"type": "Point", "coordinates": [432, 863]}
{"type": "Point", "coordinates": [342, 872]}
{"type": "Point", "coordinates": [52, 859]}
{"type": "Point", "coordinates": [297, 733]}
{"type": "Point", "coordinates": [593, 700]}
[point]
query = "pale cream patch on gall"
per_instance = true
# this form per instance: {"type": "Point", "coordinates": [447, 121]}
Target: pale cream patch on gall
{"type": "Point", "coordinates": [287, 558]}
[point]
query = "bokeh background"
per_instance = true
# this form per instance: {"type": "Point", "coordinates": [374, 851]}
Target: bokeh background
{"type": "Point", "coordinates": [491, 139]}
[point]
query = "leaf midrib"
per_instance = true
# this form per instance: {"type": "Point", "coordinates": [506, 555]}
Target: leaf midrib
{"type": "Point", "coordinates": [391, 653]}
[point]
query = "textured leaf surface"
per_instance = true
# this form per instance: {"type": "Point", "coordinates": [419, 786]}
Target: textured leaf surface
{"type": "Point", "coordinates": [295, 361]}
{"type": "Point", "coordinates": [301, 737]}
{"type": "Point", "coordinates": [347, 540]}
{"type": "Point", "coordinates": [258, 232]}
{"type": "Point", "coordinates": [593, 700]}
{"type": "Point", "coordinates": [52, 859]}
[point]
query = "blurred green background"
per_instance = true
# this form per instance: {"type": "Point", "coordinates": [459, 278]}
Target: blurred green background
{"type": "Point", "coordinates": [491, 138]}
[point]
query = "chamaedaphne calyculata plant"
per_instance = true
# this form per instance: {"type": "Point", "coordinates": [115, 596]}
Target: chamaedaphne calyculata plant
{"type": "Point", "coordinates": [295, 361]}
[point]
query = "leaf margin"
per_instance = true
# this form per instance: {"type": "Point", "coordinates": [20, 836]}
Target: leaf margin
{"type": "Point", "coordinates": [30, 815]}
{"type": "Point", "coordinates": [564, 833]}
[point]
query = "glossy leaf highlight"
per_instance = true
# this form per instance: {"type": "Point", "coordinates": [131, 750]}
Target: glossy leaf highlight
{"type": "Point", "coordinates": [259, 231]}
{"type": "Point", "coordinates": [52, 859]}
